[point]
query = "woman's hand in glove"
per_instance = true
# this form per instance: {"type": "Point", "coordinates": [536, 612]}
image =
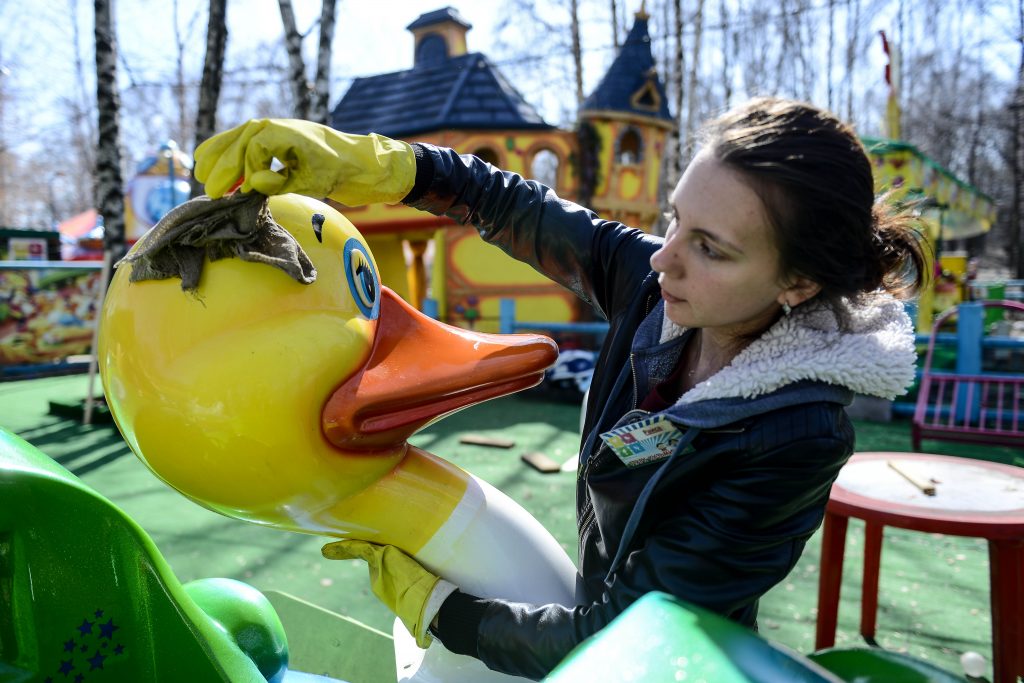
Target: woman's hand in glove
{"type": "Point", "coordinates": [400, 582]}
{"type": "Point", "coordinates": [316, 161]}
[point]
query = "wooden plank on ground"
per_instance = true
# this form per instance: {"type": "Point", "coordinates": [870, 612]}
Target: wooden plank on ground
{"type": "Point", "coordinates": [541, 462]}
{"type": "Point", "coordinates": [479, 440]}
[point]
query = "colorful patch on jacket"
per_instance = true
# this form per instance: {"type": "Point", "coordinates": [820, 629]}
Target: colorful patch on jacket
{"type": "Point", "coordinates": [649, 440]}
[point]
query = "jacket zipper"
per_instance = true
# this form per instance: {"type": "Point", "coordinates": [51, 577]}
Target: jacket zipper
{"type": "Point", "coordinates": [633, 408]}
{"type": "Point", "coordinates": [632, 368]}
{"type": "Point", "coordinates": [585, 523]}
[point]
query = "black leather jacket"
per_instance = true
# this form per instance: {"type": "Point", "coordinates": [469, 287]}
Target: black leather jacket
{"type": "Point", "coordinates": [725, 523]}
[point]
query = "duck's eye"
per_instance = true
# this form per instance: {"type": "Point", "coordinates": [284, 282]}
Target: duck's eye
{"type": "Point", "coordinates": [362, 278]}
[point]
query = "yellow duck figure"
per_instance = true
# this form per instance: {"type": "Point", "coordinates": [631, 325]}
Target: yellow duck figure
{"type": "Point", "coordinates": [289, 405]}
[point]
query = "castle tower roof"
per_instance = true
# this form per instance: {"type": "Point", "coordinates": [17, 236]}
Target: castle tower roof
{"type": "Point", "coordinates": [447, 88]}
{"type": "Point", "coordinates": [631, 84]}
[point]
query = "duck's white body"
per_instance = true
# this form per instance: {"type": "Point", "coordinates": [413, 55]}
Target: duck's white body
{"type": "Point", "coordinates": [489, 547]}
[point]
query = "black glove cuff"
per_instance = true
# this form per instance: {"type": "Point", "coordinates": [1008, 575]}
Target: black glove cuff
{"type": "Point", "coordinates": [458, 622]}
{"type": "Point", "coordinates": [424, 174]}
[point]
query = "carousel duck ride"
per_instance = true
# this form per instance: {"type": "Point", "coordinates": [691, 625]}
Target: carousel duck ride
{"type": "Point", "coordinates": [254, 362]}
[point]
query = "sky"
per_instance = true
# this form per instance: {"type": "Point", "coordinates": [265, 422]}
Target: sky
{"type": "Point", "coordinates": [37, 45]}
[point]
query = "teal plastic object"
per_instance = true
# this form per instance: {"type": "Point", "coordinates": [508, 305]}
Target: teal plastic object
{"type": "Point", "coordinates": [659, 638]}
{"type": "Point", "coordinates": [84, 591]}
{"type": "Point", "coordinates": [874, 665]}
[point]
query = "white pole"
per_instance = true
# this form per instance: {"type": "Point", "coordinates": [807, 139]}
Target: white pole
{"type": "Point", "coordinates": [108, 257]}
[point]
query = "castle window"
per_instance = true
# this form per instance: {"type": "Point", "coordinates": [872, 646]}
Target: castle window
{"type": "Point", "coordinates": [488, 155]}
{"type": "Point", "coordinates": [647, 97]}
{"type": "Point", "coordinates": [629, 148]}
{"type": "Point", "coordinates": [432, 49]}
{"type": "Point", "coordinates": [544, 167]}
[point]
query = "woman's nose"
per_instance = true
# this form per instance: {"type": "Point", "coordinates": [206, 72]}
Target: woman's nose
{"type": "Point", "coordinates": [663, 261]}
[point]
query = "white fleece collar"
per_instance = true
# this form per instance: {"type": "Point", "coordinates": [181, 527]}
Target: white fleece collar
{"type": "Point", "coordinates": [874, 357]}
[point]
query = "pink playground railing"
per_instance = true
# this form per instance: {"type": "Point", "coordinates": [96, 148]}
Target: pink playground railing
{"type": "Point", "coordinates": [973, 408]}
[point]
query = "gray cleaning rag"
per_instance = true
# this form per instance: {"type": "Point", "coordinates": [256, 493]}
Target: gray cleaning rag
{"type": "Point", "coordinates": [239, 226]}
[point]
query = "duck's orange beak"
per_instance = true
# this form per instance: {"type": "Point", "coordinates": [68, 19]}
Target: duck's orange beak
{"type": "Point", "coordinates": [420, 369]}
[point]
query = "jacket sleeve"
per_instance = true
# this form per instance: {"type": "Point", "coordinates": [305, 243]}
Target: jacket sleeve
{"type": "Point", "coordinates": [726, 546]}
{"type": "Point", "coordinates": [600, 261]}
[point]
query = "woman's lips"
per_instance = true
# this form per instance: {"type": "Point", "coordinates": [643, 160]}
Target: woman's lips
{"type": "Point", "coordinates": [669, 298]}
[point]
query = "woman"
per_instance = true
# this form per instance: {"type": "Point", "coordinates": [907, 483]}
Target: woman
{"type": "Point", "coordinates": [739, 338]}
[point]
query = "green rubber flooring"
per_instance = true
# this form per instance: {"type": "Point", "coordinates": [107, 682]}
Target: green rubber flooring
{"type": "Point", "coordinates": [933, 599]}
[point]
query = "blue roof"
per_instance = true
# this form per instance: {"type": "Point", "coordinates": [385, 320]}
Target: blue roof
{"type": "Point", "coordinates": [629, 73]}
{"type": "Point", "coordinates": [460, 92]}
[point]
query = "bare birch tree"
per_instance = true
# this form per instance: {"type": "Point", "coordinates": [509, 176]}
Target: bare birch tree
{"type": "Point", "coordinates": [785, 43]}
{"type": "Point", "coordinates": [678, 66]}
{"type": "Point", "coordinates": [831, 49]}
{"type": "Point", "coordinates": [84, 135]}
{"type": "Point", "coordinates": [179, 74]}
{"type": "Point", "coordinates": [1017, 219]}
{"type": "Point", "coordinates": [322, 85]}
{"type": "Point", "coordinates": [577, 53]}
{"type": "Point", "coordinates": [728, 44]}
{"type": "Point", "coordinates": [691, 87]}
{"type": "Point", "coordinates": [109, 183]}
{"type": "Point", "coordinates": [852, 35]}
{"type": "Point", "coordinates": [615, 25]}
{"type": "Point", "coordinates": [300, 85]}
{"type": "Point", "coordinates": [213, 77]}
{"type": "Point", "coordinates": [309, 100]}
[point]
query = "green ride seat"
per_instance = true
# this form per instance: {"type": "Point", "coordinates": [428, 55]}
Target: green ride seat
{"type": "Point", "coordinates": [85, 595]}
{"type": "Point", "coordinates": [660, 638]}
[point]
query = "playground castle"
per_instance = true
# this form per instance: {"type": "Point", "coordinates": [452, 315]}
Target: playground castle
{"type": "Point", "coordinates": [610, 162]}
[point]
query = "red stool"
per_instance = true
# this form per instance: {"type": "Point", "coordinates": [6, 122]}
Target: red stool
{"type": "Point", "coordinates": [972, 498]}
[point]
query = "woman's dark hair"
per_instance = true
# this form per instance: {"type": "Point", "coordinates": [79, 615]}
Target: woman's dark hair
{"type": "Point", "coordinates": [814, 177]}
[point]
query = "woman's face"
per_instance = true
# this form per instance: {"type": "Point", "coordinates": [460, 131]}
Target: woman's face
{"type": "Point", "coordinates": [719, 267]}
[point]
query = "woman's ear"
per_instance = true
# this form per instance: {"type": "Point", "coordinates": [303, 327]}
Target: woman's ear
{"type": "Point", "coordinates": [800, 290]}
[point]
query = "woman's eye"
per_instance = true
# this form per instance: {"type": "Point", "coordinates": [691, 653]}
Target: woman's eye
{"type": "Point", "coordinates": [708, 251]}
{"type": "Point", "coordinates": [362, 278]}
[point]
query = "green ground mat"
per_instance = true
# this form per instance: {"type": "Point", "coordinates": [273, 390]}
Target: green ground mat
{"type": "Point", "coordinates": [310, 651]}
{"type": "Point", "coordinates": [933, 598]}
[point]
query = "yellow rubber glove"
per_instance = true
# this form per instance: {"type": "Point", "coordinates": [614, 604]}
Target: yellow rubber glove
{"type": "Point", "coordinates": [399, 581]}
{"type": "Point", "coordinates": [318, 162]}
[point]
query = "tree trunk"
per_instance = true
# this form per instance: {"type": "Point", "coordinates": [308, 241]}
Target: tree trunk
{"type": "Point", "coordinates": [178, 88]}
{"type": "Point", "coordinates": [84, 135]}
{"type": "Point", "coordinates": [723, 10]}
{"type": "Point", "coordinates": [297, 76]}
{"type": "Point", "coordinates": [213, 76]}
{"type": "Point", "coordinates": [831, 47]}
{"type": "Point", "coordinates": [853, 26]}
{"type": "Point", "coordinates": [577, 57]}
{"type": "Point", "coordinates": [678, 66]}
{"type": "Point", "coordinates": [691, 88]}
{"type": "Point", "coordinates": [807, 76]}
{"type": "Point", "coordinates": [615, 24]}
{"type": "Point", "coordinates": [109, 184]}
{"type": "Point", "coordinates": [785, 45]}
{"type": "Point", "coordinates": [1018, 151]}
{"type": "Point", "coordinates": [321, 93]}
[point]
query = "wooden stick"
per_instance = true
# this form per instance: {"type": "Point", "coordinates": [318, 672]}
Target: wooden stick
{"type": "Point", "coordinates": [925, 488]}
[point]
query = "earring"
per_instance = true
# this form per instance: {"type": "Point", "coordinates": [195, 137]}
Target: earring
{"type": "Point", "coordinates": [786, 308]}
